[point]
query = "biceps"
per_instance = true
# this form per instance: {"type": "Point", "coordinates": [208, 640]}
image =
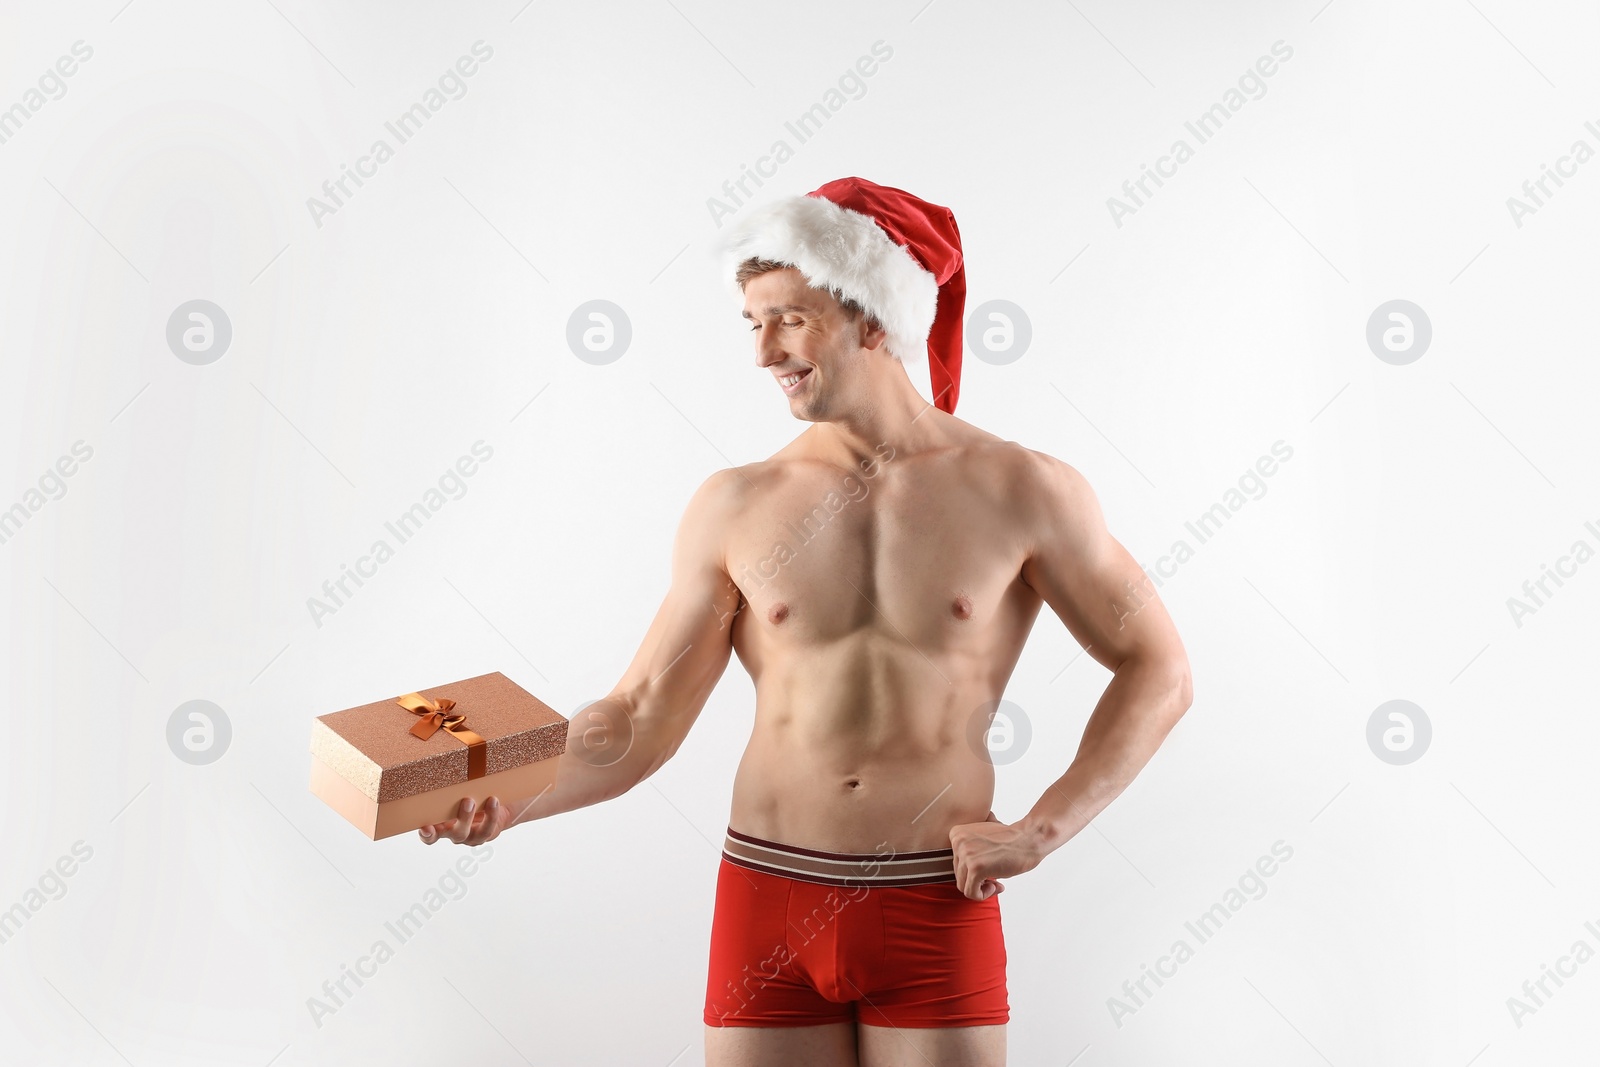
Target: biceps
{"type": "Point", "coordinates": [684, 652]}
{"type": "Point", "coordinates": [1088, 589]}
{"type": "Point", "coordinates": [1130, 618]}
{"type": "Point", "coordinates": [1096, 587]}
{"type": "Point", "coordinates": [690, 639]}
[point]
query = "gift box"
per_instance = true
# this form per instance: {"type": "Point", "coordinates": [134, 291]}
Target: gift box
{"type": "Point", "coordinates": [404, 762]}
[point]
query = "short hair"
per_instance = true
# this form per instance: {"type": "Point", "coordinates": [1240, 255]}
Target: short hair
{"type": "Point", "coordinates": [755, 266]}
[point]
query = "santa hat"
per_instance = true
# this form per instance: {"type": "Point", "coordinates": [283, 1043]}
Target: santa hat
{"type": "Point", "coordinates": [896, 255]}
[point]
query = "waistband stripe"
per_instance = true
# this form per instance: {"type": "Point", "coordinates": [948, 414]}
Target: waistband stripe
{"type": "Point", "coordinates": [840, 868]}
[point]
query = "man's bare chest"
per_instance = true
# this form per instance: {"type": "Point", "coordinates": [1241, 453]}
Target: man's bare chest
{"type": "Point", "coordinates": [821, 557]}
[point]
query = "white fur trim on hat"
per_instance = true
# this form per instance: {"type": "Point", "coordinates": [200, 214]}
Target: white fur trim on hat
{"type": "Point", "coordinates": [837, 248]}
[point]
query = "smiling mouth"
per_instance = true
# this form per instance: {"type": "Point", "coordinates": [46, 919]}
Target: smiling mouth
{"type": "Point", "coordinates": [790, 381]}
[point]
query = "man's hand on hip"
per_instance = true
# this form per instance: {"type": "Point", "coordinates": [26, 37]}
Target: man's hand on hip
{"type": "Point", "coordinates": [989, 850]}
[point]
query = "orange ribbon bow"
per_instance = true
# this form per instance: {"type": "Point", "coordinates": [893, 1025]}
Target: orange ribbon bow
{"type": "Point", "coordinates": [435, 715]}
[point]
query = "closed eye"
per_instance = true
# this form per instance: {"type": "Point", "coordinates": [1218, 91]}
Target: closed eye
{"type": "Point", "coordinates": [757, 326]}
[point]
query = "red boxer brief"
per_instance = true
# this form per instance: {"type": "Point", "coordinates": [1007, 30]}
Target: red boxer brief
{"type": "Point", "coordinates": [802, 937]}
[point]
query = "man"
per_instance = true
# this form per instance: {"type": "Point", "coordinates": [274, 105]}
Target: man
{"type": "Point", "coordinates": [878, 577]}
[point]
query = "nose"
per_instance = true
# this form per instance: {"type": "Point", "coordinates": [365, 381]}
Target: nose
{"type": "Point", "coordinates": [769, 348]}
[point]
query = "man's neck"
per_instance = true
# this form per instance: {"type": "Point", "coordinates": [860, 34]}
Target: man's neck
{"type": "Point", "coordinates": [897, 416]}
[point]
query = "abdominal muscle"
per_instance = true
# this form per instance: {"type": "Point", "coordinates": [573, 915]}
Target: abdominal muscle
{"type": "Point", "coordinates": [866, 750]}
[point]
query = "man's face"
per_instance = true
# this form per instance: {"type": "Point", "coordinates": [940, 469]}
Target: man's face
{"type": "Point", "coordinates": [802, 331]}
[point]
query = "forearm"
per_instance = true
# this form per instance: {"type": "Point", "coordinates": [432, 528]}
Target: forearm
{"type": "Point", "coordinates": [1139, 707]}
{"type": "Point", "coordinates": [608, 753]}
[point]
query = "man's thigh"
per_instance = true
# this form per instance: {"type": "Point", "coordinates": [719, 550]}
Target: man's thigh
{"type": "Point", "coordinates": [829, 1045]}
{"type": "Point", "coordinates": [932, 1046]}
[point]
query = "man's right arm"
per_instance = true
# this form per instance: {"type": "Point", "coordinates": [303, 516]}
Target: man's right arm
{"type": "Point", "coordinates": [621, 739]}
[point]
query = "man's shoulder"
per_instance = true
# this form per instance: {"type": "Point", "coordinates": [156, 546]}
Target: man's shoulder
{"type": "Point", "coordinates": [1036, 487]}
{"type": "Point", "coordinates": [728, 490]}
{"type": "Point", "coordinates": [721, 490]}
{"type": "Point", "coordinates": [1019, 468]}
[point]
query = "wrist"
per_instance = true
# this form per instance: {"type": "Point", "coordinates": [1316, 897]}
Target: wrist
{"type": "Point", "coordinates": [1041, 834]}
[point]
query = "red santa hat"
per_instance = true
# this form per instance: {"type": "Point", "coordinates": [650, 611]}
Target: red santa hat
{"type": "Point", "coordinates": [896, 255]}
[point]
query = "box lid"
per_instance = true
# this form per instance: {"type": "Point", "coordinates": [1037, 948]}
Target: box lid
{"type": "Point", "coordinates": [372, 747]}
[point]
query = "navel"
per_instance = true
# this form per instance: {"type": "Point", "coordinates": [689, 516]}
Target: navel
{"type": "Point", "coordinates": [777, 613]}
{"type": "Point", "coordinates": [962, 607]}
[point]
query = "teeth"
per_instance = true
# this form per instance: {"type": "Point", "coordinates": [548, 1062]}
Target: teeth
{"type": "Point", "coordinates": [790, 379]}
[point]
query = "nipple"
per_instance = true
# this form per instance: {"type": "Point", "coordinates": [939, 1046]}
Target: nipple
{"type": "Point", "coordinates": [777, 613]}
{"type": "Point", "coordinates": [962, 608]}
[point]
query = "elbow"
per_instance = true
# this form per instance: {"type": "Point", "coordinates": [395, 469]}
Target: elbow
{"type": "Point", "coordinates": [1182, 692]}
{"type": "Point", "coordinates": [652, 742]}
{"type": "Point", "coordinates": [654, 758]}
{"type": "Point", "coordinates": [1166, 677]}
{"type": "Point", "coordinates": [618, 742]}
{"type": "Point", "coordinates": [1171, 684]}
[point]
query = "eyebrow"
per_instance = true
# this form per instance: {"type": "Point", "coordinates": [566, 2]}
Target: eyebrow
{"type": "Point", "coordinates": [777, 309]}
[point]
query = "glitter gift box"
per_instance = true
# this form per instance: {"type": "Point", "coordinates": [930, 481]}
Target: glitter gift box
{"type": "Point", "coordinates": [405, 762]}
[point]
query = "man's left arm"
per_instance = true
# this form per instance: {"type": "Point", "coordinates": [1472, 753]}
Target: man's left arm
{"type": "Point", "coordinates": [1109, 605]}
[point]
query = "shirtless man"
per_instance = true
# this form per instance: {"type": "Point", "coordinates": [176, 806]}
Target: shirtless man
{"type": "Point", "coordinates": [879, 646]}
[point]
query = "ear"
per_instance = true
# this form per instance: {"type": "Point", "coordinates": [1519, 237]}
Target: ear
{"type": "Point", "coordinates": [871, 334]}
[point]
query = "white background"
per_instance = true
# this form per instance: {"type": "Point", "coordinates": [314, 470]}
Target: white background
{"type": "Point", "coordinates": [368, 353]}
